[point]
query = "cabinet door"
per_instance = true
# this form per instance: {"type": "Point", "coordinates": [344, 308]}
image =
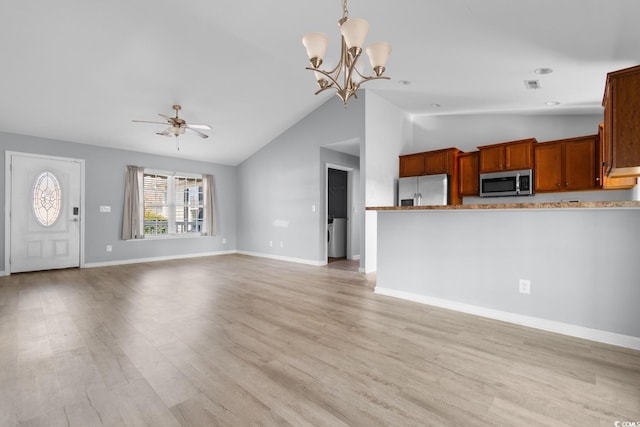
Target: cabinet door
{"type": "Point", "coordinates": [436, 162]}
{"type": "Point", "coordinates": [468, 173]}
{"type": "Point", "coordinates": [492, 159]}
{"type": "Point", "coordinates": [602, 153]}
{"type": "Point", "coordinates": [580, 164]}
{"type": "Point", "coordinates": [412, 165]}
{"type": "Point", "coordinates": [519, 156]}
{"type": "Point", "coordinates": [548, 173]}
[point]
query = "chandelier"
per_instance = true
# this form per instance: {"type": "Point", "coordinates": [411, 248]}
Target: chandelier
{"type": "Point", "coordinates": [345, 78]}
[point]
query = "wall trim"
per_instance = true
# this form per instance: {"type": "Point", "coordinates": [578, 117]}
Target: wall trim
{"type": "Point", "coordinates": [154, 259]}
{"type": "Point", "coordinates": [605, 337]}
{"type": "Point", "coordinates": [283, 258]}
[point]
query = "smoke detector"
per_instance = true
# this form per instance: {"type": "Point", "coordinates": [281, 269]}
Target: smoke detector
{"type": "Point", "coordinates": [532, 84]}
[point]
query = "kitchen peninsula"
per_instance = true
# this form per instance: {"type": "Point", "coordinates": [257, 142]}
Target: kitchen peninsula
{"type": "Point", "coordinates": [580, 260]}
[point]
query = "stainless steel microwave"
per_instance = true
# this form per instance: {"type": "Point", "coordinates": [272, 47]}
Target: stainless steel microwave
{"type": "Point", "coordinates": [509, 183]}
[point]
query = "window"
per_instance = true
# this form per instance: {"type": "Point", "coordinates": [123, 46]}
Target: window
{"type": "Point", "coordinates": [173, 203]}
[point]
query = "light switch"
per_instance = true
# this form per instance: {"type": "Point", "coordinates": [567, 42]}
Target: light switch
{"type": "Point", "coordinates": [105, 209]}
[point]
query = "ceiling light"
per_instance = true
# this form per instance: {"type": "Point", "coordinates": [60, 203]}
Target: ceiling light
{"type": "Point", "coordinates": [552, 103]}
{"type": "Point", "coordinates": [341, 78]}
{"type": "Point", "coordinates": [543, 71]}
{"type": "Point", "coordinates": [404, 82]}
{"type": "Point", "coordinates": [436, 105]}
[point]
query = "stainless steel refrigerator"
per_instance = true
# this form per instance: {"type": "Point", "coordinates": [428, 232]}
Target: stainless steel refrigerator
{"type": "Point", "coordinates": [423, 190]}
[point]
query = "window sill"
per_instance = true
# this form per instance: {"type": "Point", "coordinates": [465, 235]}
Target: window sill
{"type": "Point", "coordinates": [169, 237]}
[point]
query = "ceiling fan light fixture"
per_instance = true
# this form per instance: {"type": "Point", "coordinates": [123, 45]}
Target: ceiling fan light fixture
{"type": "Point", "coordinates": [177, 130]}
{"type": "Point", "coordinates": [178, 126]}
{"type": "Point", "coordinates": [346, 77]}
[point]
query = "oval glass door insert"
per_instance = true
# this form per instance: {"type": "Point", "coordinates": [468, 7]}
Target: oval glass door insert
{"type": "Point", "coordinates": [47, 199]}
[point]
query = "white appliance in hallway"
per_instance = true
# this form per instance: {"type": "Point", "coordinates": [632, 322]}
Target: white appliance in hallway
{"type": "Point", "coordinates": [423, 190]}
{"type": "Point", "coordinates": [337, 238]}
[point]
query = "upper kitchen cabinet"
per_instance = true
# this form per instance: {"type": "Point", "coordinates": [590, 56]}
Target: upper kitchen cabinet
{"type": "Point", "coordinates": [566, 165]}
{"type": "Point", "coordinates": [441, 161]}
{"type": "Point", "coordinates": [608, 183]}
{"type": "Point", "coordinates": [412, 165]}
{"type": "Point", "coordinates": [434, 163]}
{"type": "Point", "coordinates": [507, 156]}
{"type": "Point", "coordinates": [468, 175]}
{"type": "Point", "coordinates": [621, 123]}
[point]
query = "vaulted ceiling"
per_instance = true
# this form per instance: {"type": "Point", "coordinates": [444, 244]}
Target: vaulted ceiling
{"type": "Point", "coordinates": [80, 70]}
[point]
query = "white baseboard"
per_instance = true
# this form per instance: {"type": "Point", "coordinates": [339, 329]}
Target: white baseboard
{"type": "Point", "coordinates": [2, 273]}
{"type": "Point", "coordinates": [283, 258]}
{"type": "Point", "coordinates": [153, 259]}
{"type": "Point", "coordinates": [355, 257]}
{"type": "Point", "coordinates": [519, 319]}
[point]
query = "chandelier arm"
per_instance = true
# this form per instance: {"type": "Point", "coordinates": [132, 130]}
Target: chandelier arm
{"type": "Point", "coordinates": [365, 78]}
{"type": "Point", "coordinates": [334, 82]}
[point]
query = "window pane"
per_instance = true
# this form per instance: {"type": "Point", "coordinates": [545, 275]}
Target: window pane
{"type": "Point", "coordinates": [188, 201]}
{"type": "Point", "coordinates": [155, 207]}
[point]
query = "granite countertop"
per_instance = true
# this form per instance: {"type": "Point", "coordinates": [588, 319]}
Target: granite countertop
{"type": "Point", "coordinates": [542, 205]}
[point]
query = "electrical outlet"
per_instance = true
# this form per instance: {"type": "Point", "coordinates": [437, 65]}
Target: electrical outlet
{"type": "Point", "coordinates": [109, 248]}
{"type": "Point", "coordinates": [281, 244]}
{"type": "Point", "coordinates": [224, 240]}
{"type": "Point", "coordinates": [525, 286]}
{"type": "Point", "coordinates": [271, 243]}
{"type": "Point", "coordinates": [313, 208]}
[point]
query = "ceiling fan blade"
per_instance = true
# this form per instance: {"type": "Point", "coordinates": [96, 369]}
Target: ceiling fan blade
{"type": "Point", "coordinates": [203, 135]}
{"type": "Point", "coordinates": [206, 127]}
{"type": "Point", "coordinates": [165, 132]}
{"type": "Point", "coordinates": [165, 116]}
{"type": "Point", "coordinates": [147, 121]}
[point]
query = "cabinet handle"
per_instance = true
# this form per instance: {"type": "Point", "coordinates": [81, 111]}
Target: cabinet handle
{"type": "Point", "coordinates": [559, 185]}
{"type": "Point", "coordinates": [566, 184]}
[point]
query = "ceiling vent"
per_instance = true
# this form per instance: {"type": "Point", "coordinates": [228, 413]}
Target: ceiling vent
{"type": "Point", "coordinates": [532, 84]}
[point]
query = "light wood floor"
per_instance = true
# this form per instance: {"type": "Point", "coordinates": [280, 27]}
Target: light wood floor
{"type": "Point", "coordinates": [235, 341]}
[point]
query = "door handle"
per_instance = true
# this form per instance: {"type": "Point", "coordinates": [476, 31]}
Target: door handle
{"type": "Point", "coordinates": [74, 220]}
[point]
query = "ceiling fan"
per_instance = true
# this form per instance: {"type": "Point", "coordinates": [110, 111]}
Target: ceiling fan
{"type": "Point", "coordinates": [177, 126]}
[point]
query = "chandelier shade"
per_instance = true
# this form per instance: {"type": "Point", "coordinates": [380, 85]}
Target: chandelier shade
{"type": "Point", "coordinates": [378, 54]}
{"type": "Point", "coordinates": [346, 77]}
{"type": "Point", "coordinates": [316, 44]}
{"type": "Point", "coordinates": [354, 32]}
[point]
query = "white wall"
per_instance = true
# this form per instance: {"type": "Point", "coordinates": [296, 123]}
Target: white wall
{"type": "Point", "coordinates": [467, 132]}
{"type": "Point", "coordinates": [582, 263]}
{"type": "Point", "coordinates": [280, 185]}
{"type": "Point", "coordinates": [389, 133]}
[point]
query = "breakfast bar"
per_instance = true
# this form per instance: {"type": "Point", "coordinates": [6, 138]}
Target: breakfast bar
{"type": "Point", "coordinates": [569, 267]}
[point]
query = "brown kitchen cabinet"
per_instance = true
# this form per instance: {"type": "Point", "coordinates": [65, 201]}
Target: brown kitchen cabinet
{"type": "Point", "coordinates": [566, 165]}
{"type": "Point", "coordinates": [608, 183]}
{"type": "Point", "coordinates": [433, 163]}
{"type": "Point", "coordinates": [506, 156]}
{"type": "Point", "coordinates": [468, 174]}
{"type": "Point", "coordinates": [412, 165]}
{"type": "Point", "coordinates": [622, 128]}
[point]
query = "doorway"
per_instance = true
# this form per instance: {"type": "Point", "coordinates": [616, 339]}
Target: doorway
{"type": "Point", "coordinates": [44, 225]}
{"type": "Point", "coordinates": [339, 221]}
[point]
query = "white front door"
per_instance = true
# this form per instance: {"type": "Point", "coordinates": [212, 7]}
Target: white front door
{"type": "Point", "coordinates": [45, 213]}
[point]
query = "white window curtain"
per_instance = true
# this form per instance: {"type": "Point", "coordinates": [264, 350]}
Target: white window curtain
{"type": "Point", "coordinates": [132, 215]}
{"type": "Point", "coordinates": [210, 224]}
